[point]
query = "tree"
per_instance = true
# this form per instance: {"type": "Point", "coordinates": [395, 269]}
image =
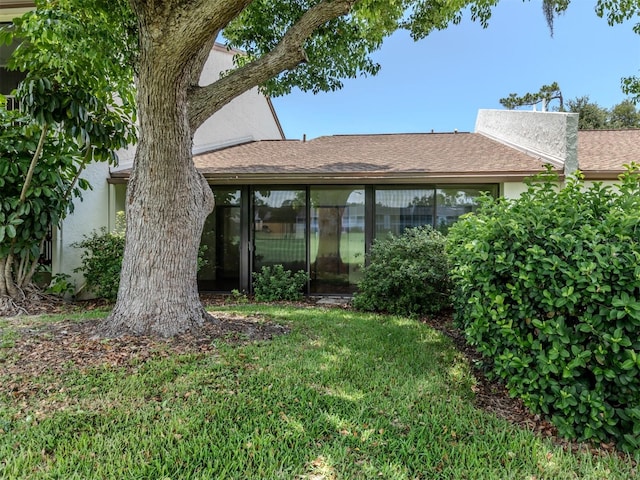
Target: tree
{"type": "Point", "coordinates": [29, 207]}
{"type": "Point", "coordinates": [544, 96]}
{"type": "Point", "coordinates": [594, 117]}
{"type": "Point", "coordinates": [287, 43]}
{"type": "Point", "coordinates": [624, 115]}
{"type": "Point", "coordinates": [67, 119]}
{"type": "Point", "coordinates": [591, 116]}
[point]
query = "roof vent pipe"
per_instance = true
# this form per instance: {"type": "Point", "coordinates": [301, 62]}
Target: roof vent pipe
{"type": "Point", "coordinates": [304, 137]}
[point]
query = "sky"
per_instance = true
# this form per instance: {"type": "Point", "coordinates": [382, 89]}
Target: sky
{"type": "Point", "coordinates": [439, 83]}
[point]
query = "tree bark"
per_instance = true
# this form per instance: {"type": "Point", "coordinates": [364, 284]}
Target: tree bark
{"type": "Point", "coordinates": [168, 201]}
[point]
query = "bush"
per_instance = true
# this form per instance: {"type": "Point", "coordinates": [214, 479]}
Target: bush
{"type": "Point", "coordinates": [275, 283]}
{"type": "Point", "coordinates": [102, 260]}
{"type": "Point", "coordinates": [548, 287]}
{"type": "Point", "coordinates": [406, 275]}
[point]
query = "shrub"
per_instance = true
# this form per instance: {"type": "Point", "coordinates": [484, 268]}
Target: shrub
{"type": "Point", "coordinates": [275, 283]}
{"type": "Point", "coordinates": [61, 285]}
{"type": "Point", "coordinates": [548, 287]}
{"type": "Point", "coordinates": [102, 260]}
{"type": "Point", "coordinates": [406, 274]}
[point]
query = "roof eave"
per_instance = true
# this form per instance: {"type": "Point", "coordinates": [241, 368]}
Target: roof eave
{"type": "Point", "coordinates": [602, 174]}
{"type": "Point", "coordinates": [353, 178]}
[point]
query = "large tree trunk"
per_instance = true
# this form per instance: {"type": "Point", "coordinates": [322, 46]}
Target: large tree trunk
{"type": "Point", "coordinates": [168, 201]}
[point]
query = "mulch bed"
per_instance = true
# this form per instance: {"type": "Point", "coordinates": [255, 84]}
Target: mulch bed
{"type": "Point", "coordinates": [57, 346]}
{"type": "Point", "coordinates": [493, 397]}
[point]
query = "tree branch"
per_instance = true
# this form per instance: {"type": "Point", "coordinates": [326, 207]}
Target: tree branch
{"type": "Point", "coordinates": [205, 101]}
{"type": "Point", "coordinates": [196, 63]}
{"type": "Point", "coordinates": [195, 22]}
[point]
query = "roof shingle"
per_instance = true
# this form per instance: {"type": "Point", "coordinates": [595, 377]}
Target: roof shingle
{"type": "Point", "coordinates": [405, 157]}
{"type": "Point", "coordinates": [430, 153]}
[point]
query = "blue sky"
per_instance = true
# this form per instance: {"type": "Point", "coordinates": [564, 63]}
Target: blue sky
{"type": "Point", "coordinates": [440, 82]}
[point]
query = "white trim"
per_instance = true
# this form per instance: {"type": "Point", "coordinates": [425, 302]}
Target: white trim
{"type": "Point", "coordinates": [209, 147]}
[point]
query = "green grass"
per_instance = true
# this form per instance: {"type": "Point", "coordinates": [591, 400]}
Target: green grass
{"type": "Point", "coordinates": [344, 395]}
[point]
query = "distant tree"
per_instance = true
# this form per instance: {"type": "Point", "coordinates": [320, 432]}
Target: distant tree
{"type": "Point", "coordinates": [624, 115]}
{"type": "Point", "coordinates": [544, 96]}
{"type": "Point", "coordinates": [591, 115]}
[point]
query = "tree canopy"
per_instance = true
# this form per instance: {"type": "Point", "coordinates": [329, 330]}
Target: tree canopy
{"type": "Point", "coordinates": [76, 106]}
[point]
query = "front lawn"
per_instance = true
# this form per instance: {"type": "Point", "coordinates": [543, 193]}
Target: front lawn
{"type": "Point", "coordinates": [327, 394]}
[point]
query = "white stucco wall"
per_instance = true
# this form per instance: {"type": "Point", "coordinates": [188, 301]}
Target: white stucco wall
{"type": "Point", "coordinates": [550, 135]}
{"type": "Point", "coordinates": [92, 213]}
{"type": "Point", "coordinates": [513, 190]}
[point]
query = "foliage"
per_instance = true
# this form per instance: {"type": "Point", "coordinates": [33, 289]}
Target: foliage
{"type": "Point", "coordinates": [239, 297]}
{"type": "Point", "coordinates": [547, 288]}
{"type": "Point", "coordinates": [624, 115]}
{"type": "Point", "coordinates": [61, 47]}
{"type": "Point", "coordinates": [69, 116]}
{"type": "Point", "coordinates": [101, 261]}
{"type": "Point", "coordinates": [28, 209]}
{"type": "Point", "coordinates": [406, 274]}
{"type": "Point", "coordinates": [273, 283]}
{"type": "Point", "coordinates": [343, 395]}
{"type": "Point", "coordinates": [61, 285]}
{"type": "Point", "coordinates": [591, 116]}
{"type": "Point", "coordinates": [546, 94]}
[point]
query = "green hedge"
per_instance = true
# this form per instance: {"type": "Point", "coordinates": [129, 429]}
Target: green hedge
{"type": "Point", "coordinates": [548, 287]}
{"type": "Point", "coordinates": [406, 274]}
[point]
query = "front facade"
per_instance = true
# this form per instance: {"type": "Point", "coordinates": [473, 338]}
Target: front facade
{"type": "Point", "coordinates": [318, 205]}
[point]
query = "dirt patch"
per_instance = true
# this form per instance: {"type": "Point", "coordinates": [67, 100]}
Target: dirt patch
{"type": "Point", "coordinates": [58, 347]}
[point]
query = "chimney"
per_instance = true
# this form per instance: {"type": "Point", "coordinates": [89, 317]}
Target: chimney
{"type": "Point", "coordinates": [552, 136]}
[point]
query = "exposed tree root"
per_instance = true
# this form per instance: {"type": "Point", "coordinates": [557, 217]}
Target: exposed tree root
{"type": "Point", "coordinates": [32, 301]}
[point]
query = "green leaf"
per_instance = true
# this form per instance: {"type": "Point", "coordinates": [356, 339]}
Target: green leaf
{"type": "Point", "coordinates": [10, 231]}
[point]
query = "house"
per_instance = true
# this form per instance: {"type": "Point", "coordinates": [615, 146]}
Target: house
{"type": "Point", "coordinates": [317, 205]}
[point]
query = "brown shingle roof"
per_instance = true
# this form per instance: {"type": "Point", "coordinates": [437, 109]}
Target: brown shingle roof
{"type": "Point", "coordinates": [404, 158]}
{"type": "Point", "coordinates": [602, 153]}
{"type": "Point", "coordinates": [448, 156]}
